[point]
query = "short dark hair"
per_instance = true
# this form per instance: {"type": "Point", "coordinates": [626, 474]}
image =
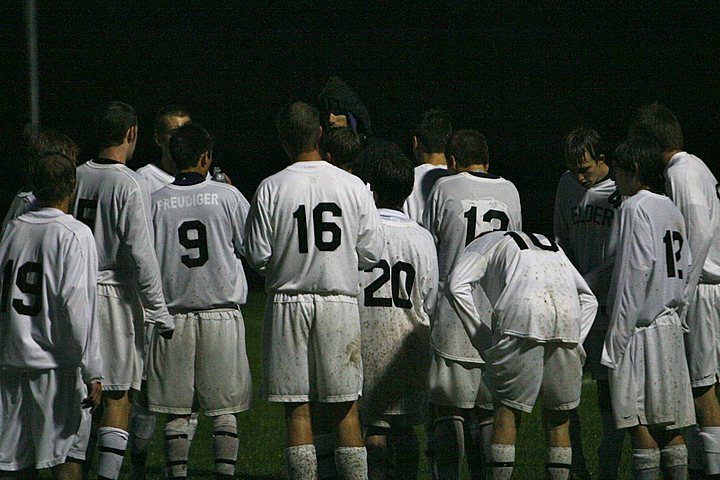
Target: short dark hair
{"type": "Point", "coordinates": [343, 145]}
{"type": "Point", "coordinates": [657, 121]}
{"type": "Point", "coordinates": [161, 126]}
{"type": "Point", "coordinates": [298, 126]}
{"type": "Point", "coordinates": [469, 147]}
{"type": "Point", "coordinates": [51, 141]}
{"type": "Point", "coordinates": [393, 176]}
{"type": "Point", "coordinates": [579, 141]}
{"type": "Point", "coordinates": [53, 178]}
{"type": "Point", "coordinates": [188, 143]}
{"type": "Point", "coordinates": [434, 129]}
{"type": "Point", "coordinates": [641, 156]}
{"type": "Point", "coordinates": [372, 151]}
{"type": "Point", "coordinates": [113, 123]}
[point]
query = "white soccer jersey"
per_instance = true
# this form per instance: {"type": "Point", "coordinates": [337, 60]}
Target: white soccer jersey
{"type": "Point", "coordinates": [49, 277]}
{"type": "Point", "coordinates": [199, 230]}
{"type": "Point", "coordinates": [310, 228]}
{"type": "Point", "coordinates": [115, 203]}
{"type": "Point", "coordinates": [155, 177]}
{"type": "Point", "coordinates": [460, 208]}
{"type": "Point", "coordinates": [534, 290]}
{"type": "Point", "coordinates": [583, 218]}
{"type": "Point", "coordinates": [425, 177]}
{"type": "Point", "coordinates": [652, 265]}
{"type": "Point", "coordinates": [693, 188]}
{"type": "Point", "coordinates": [23, 202]}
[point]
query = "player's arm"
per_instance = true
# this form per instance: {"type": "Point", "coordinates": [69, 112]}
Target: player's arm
{"type": "Point", "coordinates": [78, 292]}
{"type": "Point", "coordinates": [431, 281]}
{"type": "Point", "coordinates": [469, 270]}
{"type": "Point", "coordinates": [239, 219]}
{"type": "Point", "coordinates": [137, 234]}
{"type": "Point", "coordinates": [633, 266]}
{"type": "Point", "coordinates": [371, 237]}
{"type": "Point", "coordinates": [257, 245]}
{"type": "Point", "coordinates": [430, 218]}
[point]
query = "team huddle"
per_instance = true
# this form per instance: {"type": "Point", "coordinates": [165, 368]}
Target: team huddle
{"type": "Point", "coordinates": [397, 296]}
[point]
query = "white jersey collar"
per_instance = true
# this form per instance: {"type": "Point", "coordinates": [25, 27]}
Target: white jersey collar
{"type": "Point", "coordinates": [390, 214]}
{"type": "Point", "coordinates": [310, 165]}
{"type": "Point", "coordinates": [675, 158]}
{"type": "Point", "coordinates": [45, 213]}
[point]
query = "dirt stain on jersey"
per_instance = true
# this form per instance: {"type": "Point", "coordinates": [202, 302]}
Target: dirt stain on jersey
{"type": "Point", "coordinates": [353, 353]}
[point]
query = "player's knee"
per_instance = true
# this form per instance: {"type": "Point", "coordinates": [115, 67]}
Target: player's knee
{"type": "Point", "coordinates": [176, 426]}
{"type": "Point", "coordinates": [555, 418]}
{"type": "Point", "coordinates": [226, 423]}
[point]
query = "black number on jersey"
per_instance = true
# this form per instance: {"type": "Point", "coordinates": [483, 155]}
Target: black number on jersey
{"type": "Point", "coordinates": [717, 190]}
{"type": "Point", "coordinates": [30, 281]}
{"type": "Point", "coordinates": [672, 257]}
{"type": "Point", "coordinates": [320, 227]}
{"type": "Point", "coordinates": [392, 274]}
{"type": "Point", "coordinates": [615, 199]}
{"type": "Point", "coordinates": [488, 217]}
{"type": "Point", "coordinates": [536, 241]}
{"type": "Point", "coordinates": [199, 242]}
{"type": "Point", "coordinates": [87, 211]}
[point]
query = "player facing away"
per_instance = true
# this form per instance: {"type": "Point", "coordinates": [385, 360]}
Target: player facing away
{"type": "Point", "coordinates": [397, 299]}
{"type": "Point", "coordinates": [585, 205]}
{"type": "Point", "coordinates": [542, 311]}
{"type": "Point", "coordinates": [115, 203]}
{"type": "Point", "coordinates": [156, 175]}
{"type": "Point", "coordinates": [49, 350]}
{"type": "Point", "coordinates": [310, 228]}
{"type": "Point", "coordinates": [694, 189]}
{"type": "Point", "coordinates": [644, 350]}
{"type": "Point", "coordinates": [340, 146]}
{"type": "Point", "coordinates": [429, 141]}
{"type": "Point", "coordinates": [45, 142]}
{"type": "Point", "coordinates": [459, 208]}
{"type": "Point", "coordinates": [199, 228]}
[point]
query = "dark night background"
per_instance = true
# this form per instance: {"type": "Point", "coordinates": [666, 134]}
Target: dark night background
{"type": "Point", "coordinates": [523, 75]}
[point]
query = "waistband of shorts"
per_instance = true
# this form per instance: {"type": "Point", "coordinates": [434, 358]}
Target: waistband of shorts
{"type": "Point", "coordinates": [217, 308]}
{"type": "Point", "coordinates": [281, 297]}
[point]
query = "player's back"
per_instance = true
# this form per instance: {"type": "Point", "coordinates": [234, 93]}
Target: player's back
{"type": "Point", "coordinates": [531, 285]}
{"type": "Point", "coordinates": [463, 206]}
{"type": "Point", "coordinates": [652, 258]}
{"type": "Point", "coordinates": [583, 218]}
{"type": "Point", "coordinates": [155, 177]}
{"type": "Point", "coordinates": [47, 257]}
{"type": "Point", "coordinates": [199, 229]}
{"type": "Point", "coordinates": [695, 191]}
{"type": "Point", "coordinates": [114, 202]}
{"type": "Point", "coordinates": [21, 203]}
{"type": "Point", "coordinates": [311, 227]}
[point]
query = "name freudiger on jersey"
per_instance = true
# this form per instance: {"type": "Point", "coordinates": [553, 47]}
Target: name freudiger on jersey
{"type": "Point", "coordinates": [183, 201]}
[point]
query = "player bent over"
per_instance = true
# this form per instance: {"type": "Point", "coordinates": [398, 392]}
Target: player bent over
{"type": "Point", "coordinates": [50, 365]}
{"type": "Point", "coordinates": [199, 229]}
{"type": "Point", "coordinates": [543, 309]}
{"type": "Point", "coordinates": [397, 298]}
{"type": "Point", "coordinates": [649, 383]}
{"type": "Point", "coordinates": [310, 228]}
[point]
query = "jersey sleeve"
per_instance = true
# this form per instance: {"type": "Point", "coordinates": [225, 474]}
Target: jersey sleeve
{"type": "Point", "coordinates": [371, 238]}
{"type": "Point", "coordinates": [469, 270]}
{"type": "Point", "coordinates": [633, 265]}
{"type": "Point", "coordinates": [257, 246]}
{"type": "Point", "coordinates": [430, 218]}
{"type": "Point", "coordinates": [429, 287]}
{"type": "Point", "coordinates": [78, 293]}
{"type": "Point", "coordinates": [137, 234]}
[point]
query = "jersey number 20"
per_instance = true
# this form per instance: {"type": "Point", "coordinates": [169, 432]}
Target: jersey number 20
{"type": "Point", "coordinates": [392, 274]}
{"type": "Point", "coordinates": [29, 280]}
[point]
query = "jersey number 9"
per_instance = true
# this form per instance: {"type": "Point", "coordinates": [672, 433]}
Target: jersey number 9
{"type": "Point", "coordinates": [198, 241]}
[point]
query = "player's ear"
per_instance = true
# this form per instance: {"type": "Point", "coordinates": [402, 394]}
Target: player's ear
{"type": "Point", "coordinates": [452, 163]}
{"type": "Point", "coordinates": [328, 157]}
{"type": "Point", "coordinates": [131, 134]}
{"type": "Point", "coordinates": [157, 139]}
{"type": "Point", "coordinates": [416, 143]}
{"type": "Point", "coordinates": [206, 160]}
{"type": "Point", "coordinates": [601, 158]}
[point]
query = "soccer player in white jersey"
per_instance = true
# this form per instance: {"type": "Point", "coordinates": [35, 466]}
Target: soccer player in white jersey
{"type": "Point", "coordinates": [310, 228]}
{"type": "Point", "coordinates": [161, 173]}
{"type": "Point", "coordinates": [115, 203]}
{"type": "Point", "coordinates": [429, 142]}
{"type": "Point", "coordinates": [585, 205]}
{"type": "Point", "coordinates": [694, 189]}
{"type": "Point", "coordinates": [542, 311]}
{"type": "Point", "coordinates": [49, 356]}
{"type": "Point", "coordinates": [649, 382]}
{"type": "Point", "coordinates": [45, 142]}
{"type": "Point", "coordinates": [460, 207]}
{"type": "Point", "coordinates": [397, 299]}
{"type": "Point", "coordinates": [199, 228]}
{"type": "Point", "coordinates": [157, 175]}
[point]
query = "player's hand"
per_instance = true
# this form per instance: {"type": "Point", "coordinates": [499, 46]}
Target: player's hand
{"type": "Point", "coordinates": [166, 334]}
{"type": "Point", "coordinates": [92, 401]}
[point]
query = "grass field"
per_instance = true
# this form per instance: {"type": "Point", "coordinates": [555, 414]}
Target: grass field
{"type": "Point", "coordinates": [261, 430]}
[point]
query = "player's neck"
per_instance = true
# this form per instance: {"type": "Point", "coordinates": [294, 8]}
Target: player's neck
{"type": "Point", "coordinates": [119, 154]}
{"type": "Point", "coordinates": [434, 158]}
{"type": "Point", "coordinates": [311, 156]}
{"type": "Point", "coordinates": [668, 154]}
{"type": "Point", "coordinates": [63, 205]}
{"type": "Point", "coordinates": [389, 206]}
{"type": "Point", "coordinates": [167, 165]}
{"type": "Point", "coordinates": [474, 168]}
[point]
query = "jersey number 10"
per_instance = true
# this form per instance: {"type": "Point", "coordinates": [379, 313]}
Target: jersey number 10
{"type": "Point", "coordinates": [29, 280]}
